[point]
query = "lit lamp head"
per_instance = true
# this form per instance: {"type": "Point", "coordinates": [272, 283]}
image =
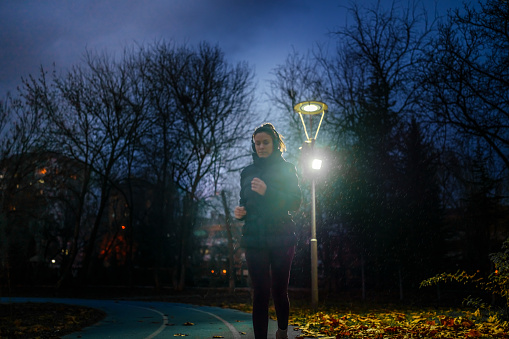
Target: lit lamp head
{"type": "Point", "coordinates": [311, 108]}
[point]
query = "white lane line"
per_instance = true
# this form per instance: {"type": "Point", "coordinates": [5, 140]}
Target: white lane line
{"type": "Point", "coordinates": [162, 327]}
{"type": "Point", "coordinates": [232, 328]}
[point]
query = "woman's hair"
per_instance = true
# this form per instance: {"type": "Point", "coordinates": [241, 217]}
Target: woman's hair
{"type": "Point", "coordinates": [277, 139]}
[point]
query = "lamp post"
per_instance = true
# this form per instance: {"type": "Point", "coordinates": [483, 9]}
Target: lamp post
{"type": "Point", "coordinates": [312, 108]}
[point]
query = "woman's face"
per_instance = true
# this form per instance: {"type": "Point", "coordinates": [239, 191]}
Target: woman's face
{"type": "Point", "coordinates": [263, 144]}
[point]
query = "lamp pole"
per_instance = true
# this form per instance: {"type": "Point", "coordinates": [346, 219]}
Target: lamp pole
{"type": "Point", "coordinates": [314, 249]}
{"type": "Point", "coordinates": [312, 108]}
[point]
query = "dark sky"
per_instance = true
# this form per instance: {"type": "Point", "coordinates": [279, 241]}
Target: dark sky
{"type": "Point", "coordinates": [261, 32]}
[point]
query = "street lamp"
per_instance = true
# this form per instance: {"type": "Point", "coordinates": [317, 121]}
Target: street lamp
{"type": "Point", "coordinates": [311, 108]}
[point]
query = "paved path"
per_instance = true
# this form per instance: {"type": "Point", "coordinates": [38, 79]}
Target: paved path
{"type": "Point", "coordinates": [147, 320]}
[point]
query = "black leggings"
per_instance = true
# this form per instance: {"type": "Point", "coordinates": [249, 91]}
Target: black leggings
{"type": "Point", "coordinates": [269, 268]}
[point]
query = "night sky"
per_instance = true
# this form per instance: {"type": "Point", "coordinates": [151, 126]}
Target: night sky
{"type": "Point", "coordinates": [261, 32]}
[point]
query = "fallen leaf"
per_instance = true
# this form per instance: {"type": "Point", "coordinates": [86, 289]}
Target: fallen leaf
{"type": "Point", "coordinates": [473, 334]}
{"type": "Point", "coordinates": [466, 323]}
{"type": "Point", "coordinates": [448, 322]}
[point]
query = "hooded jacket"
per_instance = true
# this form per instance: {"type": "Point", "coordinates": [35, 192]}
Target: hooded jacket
{"type": "Point", "coordinates": [268, 221]}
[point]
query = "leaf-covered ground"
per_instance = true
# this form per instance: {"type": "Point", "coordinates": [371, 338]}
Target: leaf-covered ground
{"type": "Point", "coordinates": [397, 323]}
{"type": "Point", "coordinates": [393, 322]}
{"type": "Point", "coordinates": [44, 320]}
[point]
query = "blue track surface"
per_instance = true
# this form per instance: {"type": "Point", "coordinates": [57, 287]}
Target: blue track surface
{"type": "Point", "coordinates": [146, 319]}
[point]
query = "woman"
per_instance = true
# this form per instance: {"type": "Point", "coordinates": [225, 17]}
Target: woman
{"type": "Point", "coordinates": [269, 190]}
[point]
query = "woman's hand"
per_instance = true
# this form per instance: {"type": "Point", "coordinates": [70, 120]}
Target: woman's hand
{"type": "Point", "coordinates": [239, 212]}
{"type": "Point", "coordinates": [258, 186]}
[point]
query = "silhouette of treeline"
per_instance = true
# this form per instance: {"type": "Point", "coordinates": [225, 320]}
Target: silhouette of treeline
{"type": "Point", "coordinates": [109, 168]}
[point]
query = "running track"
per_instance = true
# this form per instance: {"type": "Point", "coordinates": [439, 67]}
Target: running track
{"type": "Point", "coordinates": [147, 320]}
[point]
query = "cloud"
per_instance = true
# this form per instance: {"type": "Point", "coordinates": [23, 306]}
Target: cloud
{"type": "Point", "coordinates": [262, 32]}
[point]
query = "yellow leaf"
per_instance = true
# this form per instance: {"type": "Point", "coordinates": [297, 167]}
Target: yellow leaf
{"type": "Point", "coordinates": [499, 331]}
{"type": "Point", "coordinates": [492, 319]}
{"type": "Point", "coordinates": [418, 319]}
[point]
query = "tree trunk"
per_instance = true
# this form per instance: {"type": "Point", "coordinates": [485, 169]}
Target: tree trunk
{"type": "Point", "coordinates": [66, 274]}
{"type": "Point", "coordinates": [400, 284]}
{"type": "Point", "coordinates": [187, 230]}
{"type": "Point", "coordinates": [363, 278]}
{"type": "Point", "coordinates": [231, 269]}
{"type": "Point", "coordinates": [93, 234]}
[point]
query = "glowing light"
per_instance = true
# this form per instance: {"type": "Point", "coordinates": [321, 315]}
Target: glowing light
{"type": "Point", "coordinates": [224, 271]}
{"type": "Point", "coordinates": [53, 261]}
{"type": "Point", "coordinates": [316, 164]}
{"type": "Point", "coordinates": [310, 108]}
{"type": "Point", "coordinates": [212, 271]}
{"type": "Point", "coordinates": [123, 227]}
{"type": "Point", "coordinates": [43, 171]}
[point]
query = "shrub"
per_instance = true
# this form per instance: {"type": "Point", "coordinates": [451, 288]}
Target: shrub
{"type": "Point", "coordinates": [497, 283]}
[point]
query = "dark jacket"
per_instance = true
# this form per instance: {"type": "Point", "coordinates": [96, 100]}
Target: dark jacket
{"type": "Point", "coordinates": [268, 222]}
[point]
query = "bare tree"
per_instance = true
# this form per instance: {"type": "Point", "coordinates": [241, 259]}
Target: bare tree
{"type": "Point", "coordinates": [300, 78]}
{"type": "Point", "coordinates": [21, 140]}
{"type": "Point", "coordinates": [369, 83]}
{"type": "Point", "coordinates": [204, 114]}
{"type": "Point", "coordinates": [467, 76]}
{"type": "Point", "coordinates": [374, 95]}
{"type": "Point", "coordinates": [93, 111]}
